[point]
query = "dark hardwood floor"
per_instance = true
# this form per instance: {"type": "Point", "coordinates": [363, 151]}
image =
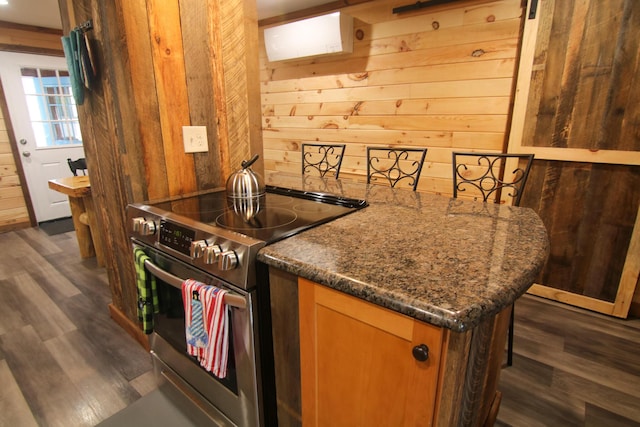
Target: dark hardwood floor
{"type": "Point", "coordinates": [571, 367]}
{"type": "Point", "coordinates": [64, 362]}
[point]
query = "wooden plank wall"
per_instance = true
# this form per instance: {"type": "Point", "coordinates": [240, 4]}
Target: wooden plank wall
{"type": "Point", "coordinates": [441, 77]}
{"type": "Point", "coordinates": [586, 71]}
{"type": "Point", "coordinates": [107, 119]}
{"type": "Point", "coordinates": [163, 65]}
{"type": "Point", "coordinates": [13, 207]}
{"type": "Point", "coordinates": [583, 95]}
{"type": "Point", "coordinates": [590, 211]}
{"type": "Point", "coordinates": [183, 74]}
{"type": "Point", "coordinates": [30, 39]}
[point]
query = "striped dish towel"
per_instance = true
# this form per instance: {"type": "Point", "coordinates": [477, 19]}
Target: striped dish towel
{"type": "Point", "coordinates": [206, 320]}
{"type": "Point", "coordinates": [147, 292]}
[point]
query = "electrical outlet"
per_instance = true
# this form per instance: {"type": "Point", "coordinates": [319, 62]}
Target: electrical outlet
{"type": "Point", "coordinates": [195, 139]}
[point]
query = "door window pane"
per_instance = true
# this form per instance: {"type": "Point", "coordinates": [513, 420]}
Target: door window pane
{"type": "Point", "coordinates": [52, 109]}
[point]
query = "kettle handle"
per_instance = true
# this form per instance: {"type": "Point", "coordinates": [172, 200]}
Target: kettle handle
{"type": "Point", "coordinates": [246, 163]}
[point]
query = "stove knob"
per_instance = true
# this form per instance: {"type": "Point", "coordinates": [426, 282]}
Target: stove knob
{"type": "Point", "coordinates": [137, 224]}
{"type": "Point", "coordinates": [228, 260]}
{"type": "Point", "coordinates": [211, 254]}
{"type": "Point", "coordinates": [148, 228]}
{"type": "Point", "coordinates": [197, 248]}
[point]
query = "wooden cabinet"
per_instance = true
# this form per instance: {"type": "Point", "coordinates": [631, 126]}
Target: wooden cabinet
{"type": "Point", "coordinates": [342, 361]}
{"type": "Point", "coordinates": [357, 365]}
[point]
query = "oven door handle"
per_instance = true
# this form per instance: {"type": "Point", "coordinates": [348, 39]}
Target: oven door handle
{"type": "Point", "coordinates": [229, 298]}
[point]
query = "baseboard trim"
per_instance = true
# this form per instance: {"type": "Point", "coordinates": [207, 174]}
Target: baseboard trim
{"type": "Point", "coordinates": [634, 309]}
{"type": "Point", "coordinates": [14, 226]}
{"type": "Point", "coordinates": [130, 327]}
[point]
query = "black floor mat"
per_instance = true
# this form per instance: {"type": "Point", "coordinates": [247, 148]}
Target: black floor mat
{"type": "Point", "coordinates": [57, 226]}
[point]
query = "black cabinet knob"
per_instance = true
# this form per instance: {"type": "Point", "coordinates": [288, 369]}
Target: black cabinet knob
{"type": "Point", "coordinates": [421, 352]}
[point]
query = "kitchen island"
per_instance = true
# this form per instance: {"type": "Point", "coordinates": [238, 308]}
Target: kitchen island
{"type": "Point", "coordinates": [454, 265]}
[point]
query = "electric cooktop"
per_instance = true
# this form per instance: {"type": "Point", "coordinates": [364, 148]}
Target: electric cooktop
{"type": "Point", "coordinates": [277, 214]}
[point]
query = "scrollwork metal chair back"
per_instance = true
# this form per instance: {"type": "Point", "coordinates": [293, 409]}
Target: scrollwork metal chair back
{"type": "Point", "coordinates": [489, 179]}
{"type": "Point", "coordinates": [395, 165]}
{"type": "Point", "coordinates": [324, 158]}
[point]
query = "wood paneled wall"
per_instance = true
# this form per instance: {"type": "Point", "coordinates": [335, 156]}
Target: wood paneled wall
{"type": "Point", "coordinates": [190, 67]}
{"type": "Point", "coordinates": [577, 110]}
{"type": "Point", "coordinates": [163, 65]}
{"type": "Point", "coordinates": [30, 39]}
{"type": "Point", "coordinates": [441, 77]}
{"type": "Point", "coordinates": [14, 213]}
{"type": "Point", "coordinates": [590, 211]}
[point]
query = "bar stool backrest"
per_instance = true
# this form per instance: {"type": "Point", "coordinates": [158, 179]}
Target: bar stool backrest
{"type": "Point", "coordinates": [485, 177]}
{"type": "Point", "coordinates": [322, 159]}
{"type": "Point", "coordinates": [78, 165]}
{"type": "Point", "coordinates": [395, 166]}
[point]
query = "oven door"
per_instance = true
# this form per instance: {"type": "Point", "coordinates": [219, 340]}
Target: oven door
{"type": "Point", "coordinates": [235, 396]}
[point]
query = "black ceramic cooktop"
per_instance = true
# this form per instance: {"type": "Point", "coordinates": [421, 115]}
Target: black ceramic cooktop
{"type": "Point", "coordinates": [277, 214]}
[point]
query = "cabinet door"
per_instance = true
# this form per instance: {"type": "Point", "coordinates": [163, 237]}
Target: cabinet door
{"type": "Point", "coordinates": [357, 362]}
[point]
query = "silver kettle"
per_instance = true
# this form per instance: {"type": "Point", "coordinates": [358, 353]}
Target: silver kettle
{"type": "Point", "coordinates": [245, 189]}
{"type": "Point", "coordinates": [245, 183]}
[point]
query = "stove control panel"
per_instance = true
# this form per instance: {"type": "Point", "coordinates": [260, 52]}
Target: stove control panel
{"type": "Point", "coordinates": [213, 254]}
{"type": "Point", "coordinates": [225, 254]}
{"type": "Point", "coordinates": [176, 237]}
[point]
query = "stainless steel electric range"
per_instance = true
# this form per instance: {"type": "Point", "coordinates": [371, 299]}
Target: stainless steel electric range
{"type": "Point", "coordinates": [214, 239]}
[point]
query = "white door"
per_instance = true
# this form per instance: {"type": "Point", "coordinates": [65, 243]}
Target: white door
{"type": "Point", "coordinates": [45, 122]}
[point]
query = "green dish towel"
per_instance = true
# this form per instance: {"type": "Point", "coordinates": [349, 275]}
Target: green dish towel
{"type": "Point", "coordinates": [148, 303]}
{"type": "Point", "coordinates": [70, 45]}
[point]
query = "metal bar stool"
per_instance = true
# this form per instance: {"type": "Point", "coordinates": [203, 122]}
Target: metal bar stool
{"type": "Point", "coordinates": [395, 165]}
{"type": "Point", "coordinates": [323, 158]}
{"type": "Point", "coordinates": [484, 175]}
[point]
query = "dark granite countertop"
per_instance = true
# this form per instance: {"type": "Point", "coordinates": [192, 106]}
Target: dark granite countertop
{"type": "Point", "coordinates": [449, 262]}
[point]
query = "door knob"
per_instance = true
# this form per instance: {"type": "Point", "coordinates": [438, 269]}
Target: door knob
{"type": "Point", "coordinates": [26, 153]}
{"type": "Point", "coordinates": [421, 352]}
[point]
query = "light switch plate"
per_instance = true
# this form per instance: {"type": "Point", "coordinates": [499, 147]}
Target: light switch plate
{"type": "Point", "coordinates": [195, 139]}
